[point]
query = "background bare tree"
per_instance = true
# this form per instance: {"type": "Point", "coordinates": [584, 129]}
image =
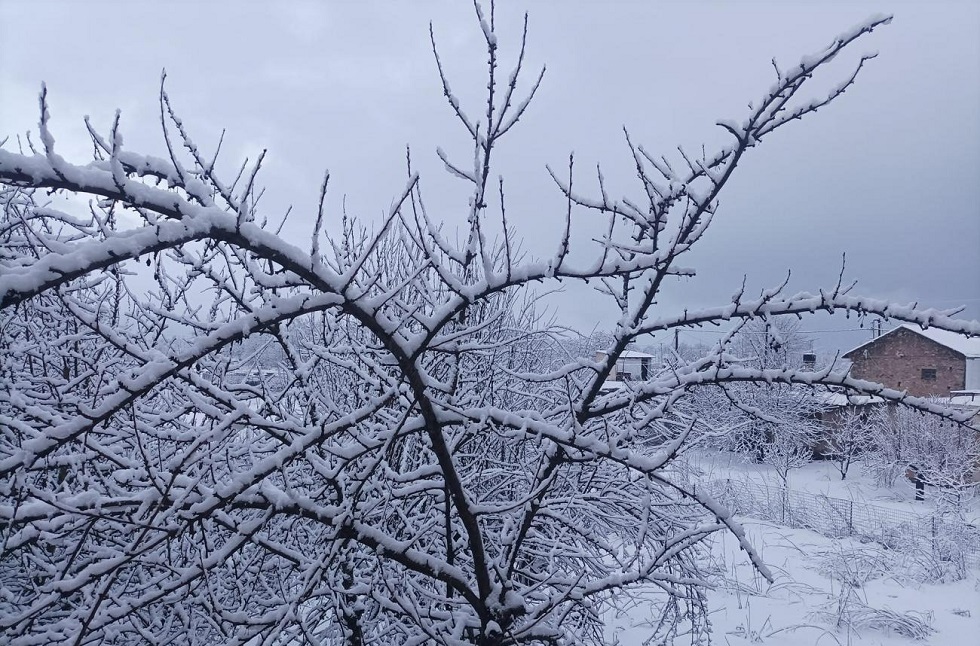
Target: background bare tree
{"type": "Point", "coordinates": [414, 469]}
{"type": "Point", "coordinates": [772, 423]}
{"type": "Point", "coordinates": [850, 437]}
{"type": "Point", "coordinates": [937, 451]}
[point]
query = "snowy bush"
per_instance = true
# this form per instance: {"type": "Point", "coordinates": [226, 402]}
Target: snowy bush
{"type": "Point", "coordinates": [426, 466]}
{"type": "Point", "coordinates": [855, 566]}
{"type": "Point", "coordinates": [851, 613]}
{"type": "Point", "coordinates": [943, 453]}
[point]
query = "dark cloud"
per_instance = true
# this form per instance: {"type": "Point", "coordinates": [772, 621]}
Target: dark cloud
{"type": "Point", "coordinates": [890, 174]}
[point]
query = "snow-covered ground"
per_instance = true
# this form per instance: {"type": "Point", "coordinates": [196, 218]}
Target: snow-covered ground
{"type": "Point", "coordinates": [827, 591]}
{"type": "Point", "coordinates": [836, 591]}
{"type": "Point", "coordinates": [820, 477]}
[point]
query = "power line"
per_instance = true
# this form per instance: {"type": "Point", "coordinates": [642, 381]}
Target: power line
{"type": "Point", "coordinates": [696, 331]}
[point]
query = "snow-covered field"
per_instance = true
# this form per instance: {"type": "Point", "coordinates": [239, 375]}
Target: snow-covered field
{"type": "Point", "coordinates": [838, 591]}
{"type": "Point", "coordinates": [820, 477]}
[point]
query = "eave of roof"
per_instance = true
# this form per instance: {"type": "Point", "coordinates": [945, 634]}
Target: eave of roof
{"type": "Point", "coordinates": [633, 354]}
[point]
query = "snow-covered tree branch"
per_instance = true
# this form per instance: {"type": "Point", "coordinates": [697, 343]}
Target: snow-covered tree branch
{"type": "Point", "coordinates": [372, 437]}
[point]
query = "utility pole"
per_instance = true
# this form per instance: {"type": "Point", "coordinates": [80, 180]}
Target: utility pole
{"type": "Point", "coordinates": [765, 347]}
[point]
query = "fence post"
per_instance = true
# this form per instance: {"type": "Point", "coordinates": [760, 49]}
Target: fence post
{"type": "Point", "coordinates": [850, 518]}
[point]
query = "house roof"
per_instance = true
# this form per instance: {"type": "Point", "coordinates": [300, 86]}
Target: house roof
{"type": "Point", "coordinates": [631, 354]}
{"type": "Point", "coordinates": [834, 399]}
{"type": "Point", "coordinates": [965, 401]}
{"type": "Point", "coordinates": [611, 385]}
{"type": "Point", "coordinates": [969, 347]}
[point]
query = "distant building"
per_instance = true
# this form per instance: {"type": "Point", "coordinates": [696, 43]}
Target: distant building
{"type": "Point", "coordinates": [631, 366]}
{"type": "Point", "coordinates": [926, 363]}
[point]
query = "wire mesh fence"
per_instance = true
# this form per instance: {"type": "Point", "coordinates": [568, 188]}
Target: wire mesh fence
{"type": "Point", "coordinates": [946, 538]}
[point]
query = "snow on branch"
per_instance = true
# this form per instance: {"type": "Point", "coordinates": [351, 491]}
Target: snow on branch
{"type": "Point", "coordinates": [211, 434]}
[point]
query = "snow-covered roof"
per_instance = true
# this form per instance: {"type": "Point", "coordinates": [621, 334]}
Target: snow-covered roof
{"type": "Point", "coordinates": [631, 354]}
{"type": "Point", "coordinates": [965, 401]}
{"type": "Point", "coordinates": [611, 385]}
{"type": "Point", "coordinates": [843, 399]}
{"type": "Point", "coordinates": [628, 354]}
{"type": "Point", "coordinates": [969, 347]}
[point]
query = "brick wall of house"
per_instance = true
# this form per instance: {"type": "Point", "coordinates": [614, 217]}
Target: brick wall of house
{"type": "Point", "coordinates": [897, 360]}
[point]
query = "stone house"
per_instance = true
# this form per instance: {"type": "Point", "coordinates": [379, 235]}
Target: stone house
{"type": "Point", "coordinates": [926, 363]}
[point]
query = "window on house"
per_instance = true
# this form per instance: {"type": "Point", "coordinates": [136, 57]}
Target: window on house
{"type": "Point", "coordinates": [928, 374]}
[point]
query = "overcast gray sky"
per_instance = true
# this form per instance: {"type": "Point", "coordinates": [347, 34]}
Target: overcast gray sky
{"type": "Point", "coordinates": [889, 174]}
